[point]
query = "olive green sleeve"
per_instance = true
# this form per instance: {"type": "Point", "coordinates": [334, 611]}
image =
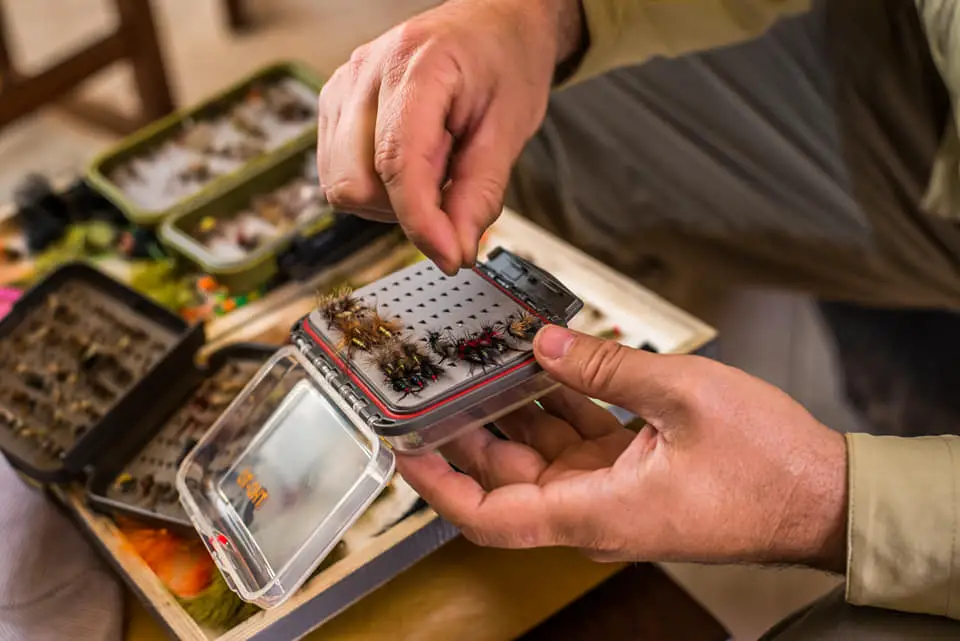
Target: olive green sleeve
{"type": "Point", "coordinates": [903, 551]}
{"type": "Point", "coordinates": [623, 32]}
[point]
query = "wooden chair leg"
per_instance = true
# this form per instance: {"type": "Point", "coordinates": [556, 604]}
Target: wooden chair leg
{"type": "Point", "coordinates": [149, 71]}
{"type": "Point", "coordinates": [6, 64]}
{"type": "Point", "coordinates": [237, 16]}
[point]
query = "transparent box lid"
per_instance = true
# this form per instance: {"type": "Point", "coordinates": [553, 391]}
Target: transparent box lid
{"type": "Point", "coordinates": [279, 478]}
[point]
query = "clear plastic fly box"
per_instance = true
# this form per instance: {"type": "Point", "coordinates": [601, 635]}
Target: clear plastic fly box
{"type": "Point", "coordinates": [406, 363]}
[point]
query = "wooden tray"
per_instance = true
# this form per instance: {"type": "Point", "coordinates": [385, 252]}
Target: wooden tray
{"type": "Point", "coordinates": [640, 314]}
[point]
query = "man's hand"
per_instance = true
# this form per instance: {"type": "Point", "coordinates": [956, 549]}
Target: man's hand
{"type": "Point", "coordinates": [727, 468]}
{"type": "Point", "coordinates": [425, 122]}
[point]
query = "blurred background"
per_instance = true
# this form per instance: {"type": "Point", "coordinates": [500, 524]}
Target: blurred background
{"type": "Point", "coordinates": [201, 51]}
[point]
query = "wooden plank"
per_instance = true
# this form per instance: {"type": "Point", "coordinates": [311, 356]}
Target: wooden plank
{"type": "Point", "coordinates": [138, 30]}
{"type": "Point", "coordinates": [329, 579]}
{"type": "Point", "coordinates": [7, 70]}
{"type": "Point", "coordinates": [135, 40]}
{"type": "Point", "coordinates": [136, 570]}
{"type": "Point", "coordinates": [468, 593]}
{"type": "Point", "coordinates": [28, 94]}
{"type": "Point", "coordinates": [175, 618]}
{"type": "Point", "coordinates": [460, 592]}
{"type": "Point", "coordinates": [238, 14]}
{"type": "Point", "coordinates": [101, 116]}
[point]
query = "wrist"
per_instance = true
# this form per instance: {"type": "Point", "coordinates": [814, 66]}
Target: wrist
{"type": "Point", "coordinates": [831, 553]}
{"type": "Point", "coordinates": [563, 20]}
{"type": "Point", "coordinates": [571, 30]}
{"type": "Point", "coordinates": [820, 520]}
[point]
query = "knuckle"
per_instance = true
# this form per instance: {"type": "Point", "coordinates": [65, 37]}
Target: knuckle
{"type": "Point", "coordinates": [415, 52]}
{"type": "Point", "coordinates": [603, 364]}
{"type": "Point", "coordinates": [394, 72]}
{"type": "Point", "coordinates": [408, 37]}
{"type": "Point", "coordinates": [350, 193]}
{"type": "Point", "coordinates": [330, 86]}
{"type": "Point", "coordinates": [358, 60]}
{"type": "Point", "coordinates": [388, 157]}
{"type": "Point", "coordinates": [361, 54]}
{"type": "Point", "coordinates": [490, 191]}
{"type": "Point", "coordinates": [692, 387]}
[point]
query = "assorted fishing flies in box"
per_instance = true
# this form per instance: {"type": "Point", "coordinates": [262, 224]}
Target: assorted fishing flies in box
{"type": "Point", "coordinates": [80, 353]}
{"type": "Point", "coordinates": [186, 158]}
{"type": "Point", "coordinates": [429, 354]}
{"type": "Point", "coordinates": [139, 481]}
{"type": "Point", "coordinates": [407, 363]}
{"type": "Point", "coordinates": [297, 203]}
{"type": "Point", "coordinates": [268, 115]}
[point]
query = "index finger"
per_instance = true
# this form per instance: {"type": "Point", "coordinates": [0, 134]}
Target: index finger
{"type": "Point", "coordinates": [410, 156]}
{"type": "Point", "coordinates": [521, 515]}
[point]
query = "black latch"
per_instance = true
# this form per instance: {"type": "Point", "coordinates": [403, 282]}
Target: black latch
{"type": "Point", "coordinates": [530, 282]}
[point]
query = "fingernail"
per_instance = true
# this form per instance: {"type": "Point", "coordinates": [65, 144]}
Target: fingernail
{"type": "Point", "coordinates": [554, 342]}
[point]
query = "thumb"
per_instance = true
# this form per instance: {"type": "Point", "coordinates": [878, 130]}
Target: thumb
{"type": "Point", "coordinates": [606, 370]}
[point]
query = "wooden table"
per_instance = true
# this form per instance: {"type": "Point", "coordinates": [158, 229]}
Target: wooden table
{"type": "Point", "coordinates": [460, 592]}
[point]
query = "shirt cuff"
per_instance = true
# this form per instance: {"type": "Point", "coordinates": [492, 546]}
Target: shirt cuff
{"type": "Point", "coordinates": [605, 23]}
{"type": "Point", "coordinates": [624, 32]}
{"type": "Point", "coordinates": [903, 526]}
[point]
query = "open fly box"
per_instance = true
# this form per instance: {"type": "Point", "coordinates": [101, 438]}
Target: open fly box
{"type": "Point", "coordinates": [135, 475]}
{"type": "Point", "coordinates": [412, 360]}
{"type": "Point", "coordinates": [101, 386]}
{"type": "Point", "coordinates": [241, 506]}
{"type": "Point", "coordinates": [238, 235]}
{"type": "Point", "coordinates": [81, 356]}
{"type": "Point", "coordinates": [184, 157]}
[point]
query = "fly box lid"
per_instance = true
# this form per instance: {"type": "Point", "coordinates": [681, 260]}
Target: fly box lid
{"type": "Point", "coordinates": [408, 362]}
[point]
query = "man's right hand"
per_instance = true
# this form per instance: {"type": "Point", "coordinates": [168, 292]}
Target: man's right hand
{"type": "Point", "coordinates": [424, 123]}
{"type": "Point", "coordinates": [727, 469]}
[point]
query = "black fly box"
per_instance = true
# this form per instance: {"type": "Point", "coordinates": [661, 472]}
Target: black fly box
{"type": "Point", "coordinates": [81, 355]}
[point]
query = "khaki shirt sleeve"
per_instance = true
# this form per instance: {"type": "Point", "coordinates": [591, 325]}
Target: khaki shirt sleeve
{"type": "Point", "coordinates": [903, 552]}
{"type": "Point", "coordinates": [624, 32]}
